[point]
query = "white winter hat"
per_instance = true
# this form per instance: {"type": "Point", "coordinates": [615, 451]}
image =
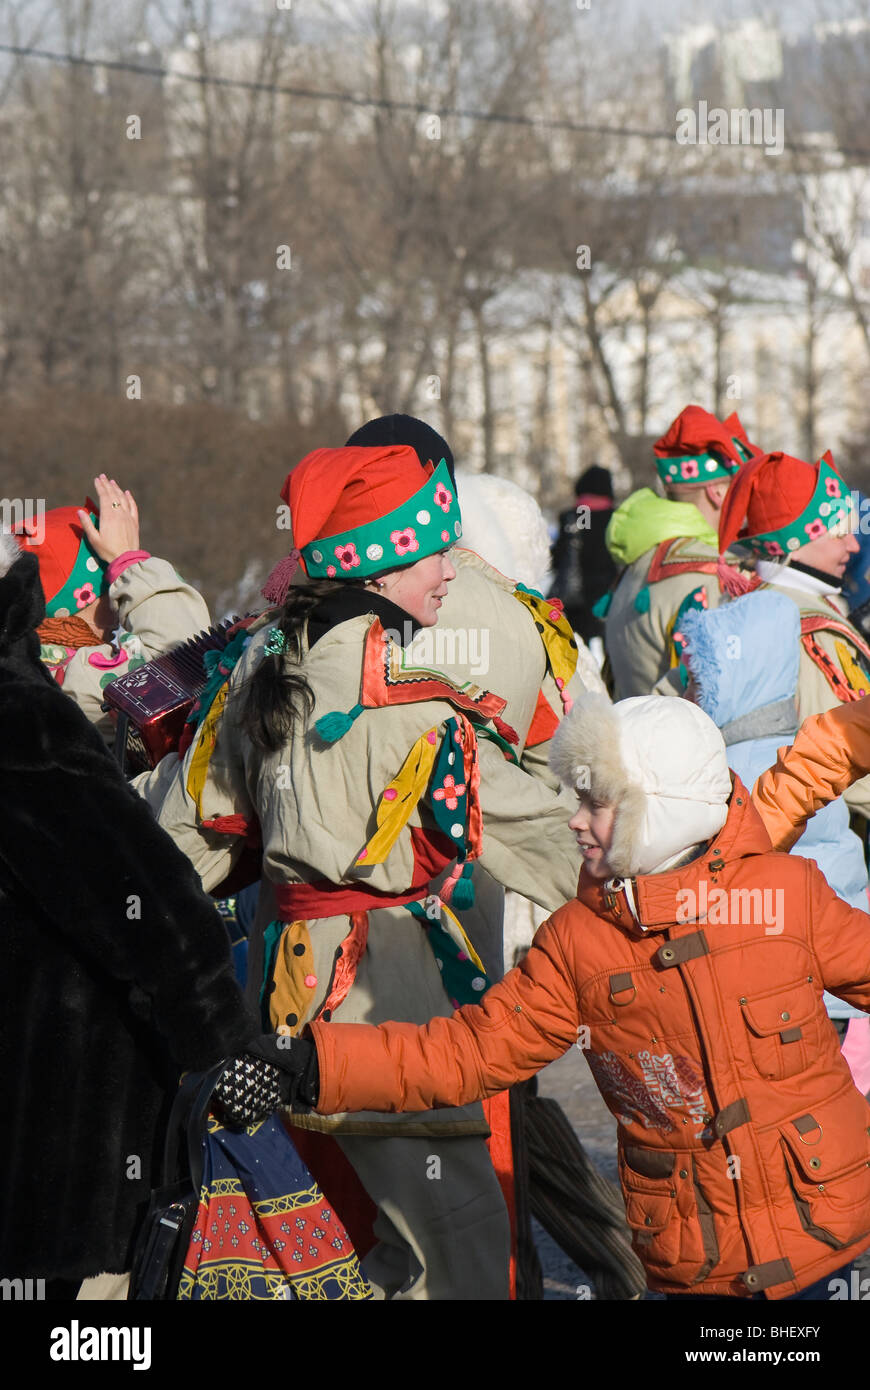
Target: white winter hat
{"type": "Point", "coordinates": [659, 761]}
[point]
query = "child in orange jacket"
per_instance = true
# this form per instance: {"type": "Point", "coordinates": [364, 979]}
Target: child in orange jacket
{"type": "Point", "coordinates": [690, 970]}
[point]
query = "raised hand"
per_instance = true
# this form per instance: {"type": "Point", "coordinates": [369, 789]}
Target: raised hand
{"type": "Point", "coordinates": [118, 530]}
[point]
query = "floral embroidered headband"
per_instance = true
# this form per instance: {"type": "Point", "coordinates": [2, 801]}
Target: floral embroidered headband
{"type": "Point", "coordinates": [427, 522]}
{"type": "Point", "coordinates": [86, 582]}
{"type": "Point", "coordinates": [829, 509]}
{"type": "Point", "coordinates": [700, 468]}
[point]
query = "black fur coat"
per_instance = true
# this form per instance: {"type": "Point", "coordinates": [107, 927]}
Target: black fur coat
{"type": "Point", "coordinates": [116, 974]}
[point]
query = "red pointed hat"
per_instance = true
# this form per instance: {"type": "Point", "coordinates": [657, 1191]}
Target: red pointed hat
{"type": "Point", "coordinates": [699, 448]}
{"type": "Point", "coordinates": [70, 573]}
{"type": "Point", "coordinates": [777, 503]}
{"type": "Point", "coordinates": [359, 511]}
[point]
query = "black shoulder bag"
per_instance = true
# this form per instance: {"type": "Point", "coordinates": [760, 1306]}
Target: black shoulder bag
{"type": "Point", "coordinates": [158, 1257]}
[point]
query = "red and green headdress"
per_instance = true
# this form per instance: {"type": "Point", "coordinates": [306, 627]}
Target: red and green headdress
{"type": "Point", "coordinates": [699, 448]}
{"type": "Point", "coordinates": [72, 576]}
{"type": "Point", "coordinates": [357, 512]}
{"type": "Point", "coordinates": [776, 504]}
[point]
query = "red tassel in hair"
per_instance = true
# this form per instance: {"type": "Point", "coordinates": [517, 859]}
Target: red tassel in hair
{"type": "Point", "coordinates": [275, 588]}
{"type": "Point", "coordinates": [733, 582]}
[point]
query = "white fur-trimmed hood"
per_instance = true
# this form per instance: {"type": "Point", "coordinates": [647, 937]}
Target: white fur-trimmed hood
{"type": "Point", "coordinates": [660, 762]}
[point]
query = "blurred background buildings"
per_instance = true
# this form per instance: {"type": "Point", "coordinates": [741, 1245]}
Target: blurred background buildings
{"type": "Point", "coordinates": [229, 234]}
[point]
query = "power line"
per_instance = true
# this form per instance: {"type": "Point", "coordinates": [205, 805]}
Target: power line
{"type": "Point", "coordinates": [386, 103]}
{"type": "Point", "coordinates": [348, 98]}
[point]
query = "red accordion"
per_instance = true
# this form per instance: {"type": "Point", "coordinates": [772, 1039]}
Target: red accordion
{"type": "Point", "coordinates": [150, 705]}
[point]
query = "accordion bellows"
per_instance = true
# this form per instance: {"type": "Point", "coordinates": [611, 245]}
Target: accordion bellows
{"type": "Point", "coordinates": [151, 704]}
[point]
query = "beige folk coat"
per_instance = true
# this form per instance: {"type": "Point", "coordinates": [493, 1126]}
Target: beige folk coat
{"type": "Point", "coordinates": [156, 610]}
{"type": "Point", "coordinates": [316, 805]}
{"type": "Point", "coordinates": [485, 634]}
{"type": "Point", "coordinates": [639, 641]}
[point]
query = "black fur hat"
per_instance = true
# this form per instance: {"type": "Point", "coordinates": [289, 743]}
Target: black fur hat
{"type": "Point", "coordinates": [406, 429]}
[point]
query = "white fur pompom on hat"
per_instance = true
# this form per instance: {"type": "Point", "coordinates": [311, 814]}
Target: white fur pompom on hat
{"type": "Point", "coordinates": [10, 551]}
{"type": "Point", "coordinates": [659, 761]}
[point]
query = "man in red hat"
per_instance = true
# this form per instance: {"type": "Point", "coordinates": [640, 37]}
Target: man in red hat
{"type": "Point", "coordinates": [667, 547]}
{"type": "Point", "coordinates": [109, 605]}
{"type": "Point", "coordinates": [797, 520]}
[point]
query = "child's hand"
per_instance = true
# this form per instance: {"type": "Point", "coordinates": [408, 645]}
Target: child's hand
{"type": "Point", "coordinates": [119, 521]}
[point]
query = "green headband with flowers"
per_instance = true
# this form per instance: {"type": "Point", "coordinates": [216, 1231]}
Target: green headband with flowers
{"type": "Point", "coordinates": [700, 468]}
{"type": "Point", "coordinates": [86, 582]}
{"type": "Point", "coordinates": [427, 522]}
{"type": "Point", "coordinates": [829, 508]}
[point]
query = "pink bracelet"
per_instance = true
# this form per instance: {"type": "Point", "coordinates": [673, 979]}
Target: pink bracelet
{"type": "Point", "coordinates": [123, 562]}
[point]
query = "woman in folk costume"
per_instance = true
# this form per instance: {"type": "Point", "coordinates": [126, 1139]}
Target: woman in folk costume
{"type": "Point", "coordinates": [498, 630]}
{"type": "Point", "coordinates": [110, 606]}
{"type": "Point", "coordinates": [490, 623]}
{"type": "Point", "coordinates": [668, 548]}
{"type": "Point", "coordinates": [795, 518]}
{"type": "Point", "coordinates": [364, 777]}
{"type": "Point", "coordinates": [744, 659]}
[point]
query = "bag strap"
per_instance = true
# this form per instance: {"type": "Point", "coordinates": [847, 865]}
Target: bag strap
{"type": "Point", "coordinates": [187, 1122]}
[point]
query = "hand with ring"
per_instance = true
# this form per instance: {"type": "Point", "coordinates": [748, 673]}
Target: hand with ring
{"type": "Point", "coordinates": [118, 529]}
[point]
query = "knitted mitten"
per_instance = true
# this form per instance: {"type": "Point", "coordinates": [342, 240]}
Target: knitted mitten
{"type": "Point", "coordinates": [248, 1090]}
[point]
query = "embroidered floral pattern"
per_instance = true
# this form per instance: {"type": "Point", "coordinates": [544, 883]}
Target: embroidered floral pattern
{"type": "Point", "coordinates": [687, 469]}
{"type": "Point", "coordinates": [449, 793]}
{"type": "Point", "coordinates": [84, 595]}
{"type": "Point", "coordinates": [405, 541]}
{"type": "Point", "coordinates": [443, 497]}
{"type": "Point", "coordinates": [347, 556]}
{"type": "Point", "coordinates": [420, 526]}
{"type": "Point", "coordinates": [818, 518]}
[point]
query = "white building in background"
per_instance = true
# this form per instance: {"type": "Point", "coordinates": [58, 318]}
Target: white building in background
{"type": "Point", "coordinates": [547, 425]}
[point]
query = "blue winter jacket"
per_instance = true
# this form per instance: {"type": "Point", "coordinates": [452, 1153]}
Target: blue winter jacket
{"type": "Point", "coordinates": [744, 656]}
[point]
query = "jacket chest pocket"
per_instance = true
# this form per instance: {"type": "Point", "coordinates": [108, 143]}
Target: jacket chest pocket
{"type": "Point", "coordinates": [669, 1225]}
{"type": "Point", "coordinates": [827, 1156]}
{"type": "Point", "coordinates": [782, 1026]}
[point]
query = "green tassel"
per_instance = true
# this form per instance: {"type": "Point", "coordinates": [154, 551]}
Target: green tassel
{"type": "Point", "coordinates": [335, 725]}
{"type": "Point", "coordinates": [601, 607]}
{"type": "Point", "coordinates": [641, 601]}
{"type": "Point", "coordinates": [524, 589]}
{"type": "Point", "coordinates": [463, 889]}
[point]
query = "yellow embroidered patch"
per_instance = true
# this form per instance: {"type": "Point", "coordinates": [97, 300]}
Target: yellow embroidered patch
{"type": "Point", "coordinates": [454, 929]}
{"type": "Point", "coordinates": [198, 770]}
{"type": "Point", "coordinates": [857, 678]}
{"type": "Point", "coordinates": [555, 632]}
{"type": "Point", "coordinates": [400, 797]}
{"type": "Point", "coordinates": [294, 980]}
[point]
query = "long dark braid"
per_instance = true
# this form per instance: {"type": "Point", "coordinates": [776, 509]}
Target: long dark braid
{"type": "Point", "coordinates": [276, 694]}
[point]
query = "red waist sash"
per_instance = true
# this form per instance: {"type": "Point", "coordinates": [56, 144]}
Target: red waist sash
{"type": "Point", "coordinates": [320, 898]}
{"type": "Point", "coordinates": [302, 901]}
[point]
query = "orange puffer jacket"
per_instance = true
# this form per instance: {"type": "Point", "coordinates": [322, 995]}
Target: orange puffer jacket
{"type": "Point", "coordinates": [744, 1147]}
